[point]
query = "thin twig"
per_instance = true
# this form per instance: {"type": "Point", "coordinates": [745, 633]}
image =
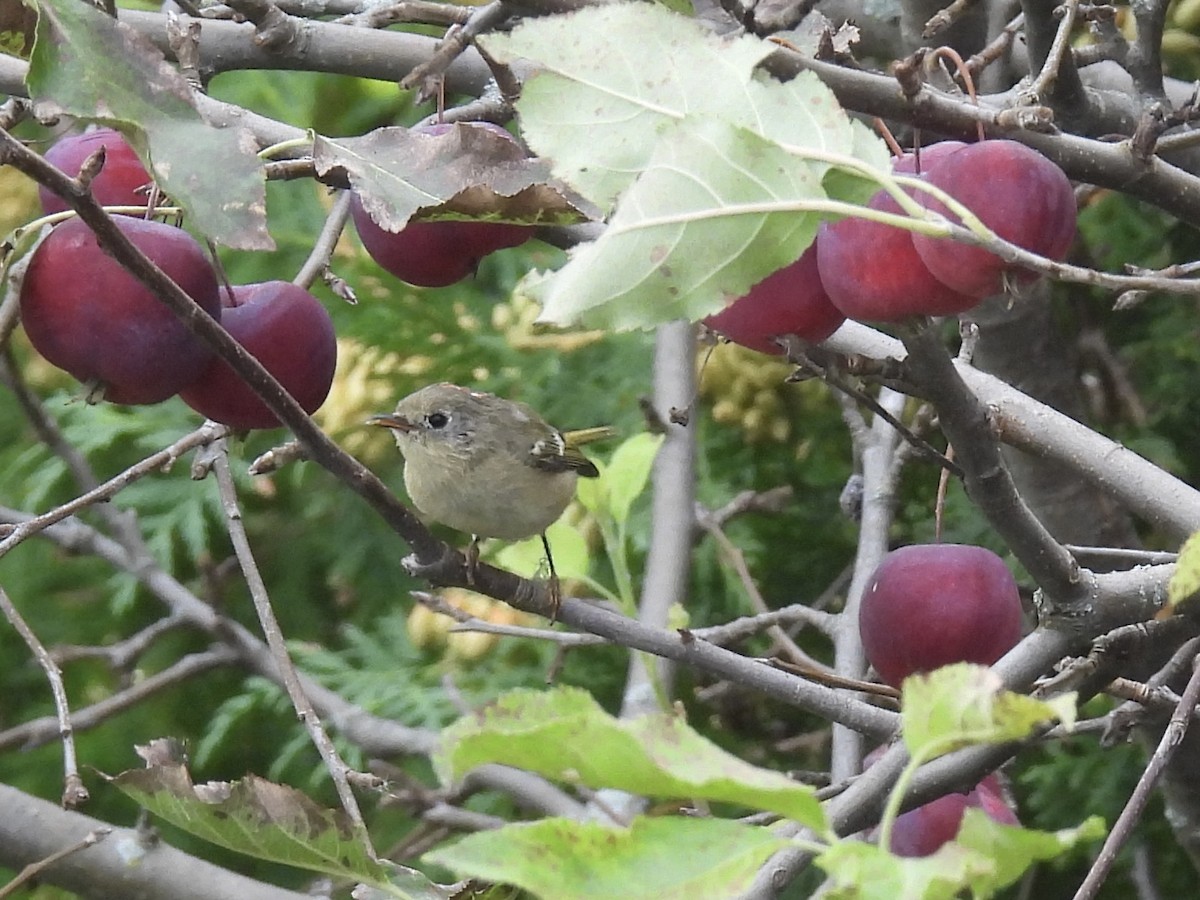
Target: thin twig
{"type": "Point", "coordinates": [274, 636]}
{"type": "Point", "coordinates": [74, 793]}
{"type": "Point", "coordinates": [796, 354]}
{"type": "Point", "coordinates": [44, 426]}
{"type": "Point", "coordinates": [37, 732]}
{"type": "Point", "coordinates": [1044, 82]}
{"type": "Point", "coordinates": [322, 251]}
{"type": "Point", "coordinates": [748, 626]}
{"type": "Point", "coordinates": [737, 559]}
{"type": "Point", "coordinates": [121, 655]}
{"type": "Point", "coordinates": [999, 45]}
{"type": "Point", "coordinates": [944, 18]}
{"type": "Point", "coordinates": [833, 680]}
{"type": "Point", "coordinates": [1172, 737]}
{"type": "Point", "coordinates": [36, 868]}
{"type": "Point", "coordinates": [156, 462]}
{"type": "Point", "coordinates": [457, 39]}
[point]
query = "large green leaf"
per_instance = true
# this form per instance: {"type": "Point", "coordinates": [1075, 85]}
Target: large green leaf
{"type": "Point", "coordinates": [88, 65]}
{"type": "Point", "coordinates": [715, 212]}
{"type": "Point", "coordinates": [654, 859]}
{"type": "Point", "coordinates": [611, 79]}
{"type": "Point", "coordinates": [565, 735]}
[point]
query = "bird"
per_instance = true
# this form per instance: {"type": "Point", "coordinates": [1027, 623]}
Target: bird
{"type": "Point", "coordinates": [488, 466]}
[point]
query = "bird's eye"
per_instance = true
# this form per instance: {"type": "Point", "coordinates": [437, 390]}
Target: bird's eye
{"type": "Point", "coordinates": [437, 420]}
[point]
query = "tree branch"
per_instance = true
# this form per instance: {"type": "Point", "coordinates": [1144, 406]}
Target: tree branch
{"type": "Point", "coordinates": [118, 868]}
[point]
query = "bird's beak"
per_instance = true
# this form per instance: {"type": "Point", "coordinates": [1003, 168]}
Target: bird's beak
{"type": "Point", "coordinates": [391, 421]}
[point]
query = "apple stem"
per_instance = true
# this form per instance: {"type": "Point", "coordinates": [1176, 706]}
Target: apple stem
{"type": "Point", "coordinates": [302, 143]}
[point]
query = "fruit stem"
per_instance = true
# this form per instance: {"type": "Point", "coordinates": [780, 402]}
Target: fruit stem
{"type": "Point", "coordinates": [305, 142]}
{"type": "Point", "coordinates": [894, 184]}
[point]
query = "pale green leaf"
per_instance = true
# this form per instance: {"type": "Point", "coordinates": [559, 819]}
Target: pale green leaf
{"type": "Point", "coordinates": [622, 479]}
{"type": "Point", "coordinates": [984, 858]}
{"type": "Point", "coordinates": [717, 166]}
{"type": "Point", "coordinates": [716, 211]}
{"type": "Point", "coordinates": [88, 65]}
{"type": "Point", "coordinates": [1185, 580]}
{"type": "Point", "coordinates": [564, 735]}
{"type": "Point", "coordinates": [609, 77]}
{"type": "Point", "coordinates": [590, 492]}
{"type": "Point", "coordinates": [965, 704]}
{"type": "Point", "coordinates": [859, 871]}
{"type": "Point", "coordinates": [527, 558]}
{"type": "Point", "coordinates": [671, 858]}
{"type": "Point", "coordinates": [629, 471]}
{"type": "Point", "coordinates": [1014, 850]}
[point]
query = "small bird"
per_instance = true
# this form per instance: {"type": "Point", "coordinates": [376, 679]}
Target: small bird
{"type": "Point", "coordinates": [487, 466]}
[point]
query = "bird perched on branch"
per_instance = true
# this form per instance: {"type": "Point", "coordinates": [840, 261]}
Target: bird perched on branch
{"type": "Point", "coordinates": [487, 466]}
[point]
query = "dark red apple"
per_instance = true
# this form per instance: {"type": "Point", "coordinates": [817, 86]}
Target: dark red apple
{"type": "Point", "coordinates": [1017, 193]}
{"type": "Point", "coordinates": [930, 605]}
{"type": "Point", "coordinates": [789, 301]}
{"type": "Point", "coordinates": [87, 315]}
{"type": "Point", "coordinates": [435, 254]}
{"type": "Point", "coordinates": [120, 183]}
{"type": "Point", "coordinates": [872, 272]}
{"type": "Point", "coordinates": [922, 831]}
{"type": "Point", "coordinates": [287, 330]}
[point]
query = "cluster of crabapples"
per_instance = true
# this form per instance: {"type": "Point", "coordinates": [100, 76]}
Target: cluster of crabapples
{"type": "Point", "coordinates": [927, 606]}
{"type": "Point", "coordinates": [874, 272]}
{"type": "Point", "coordinates": [89, 316]}
{"type": "Point", "coordinates": [85, 314]}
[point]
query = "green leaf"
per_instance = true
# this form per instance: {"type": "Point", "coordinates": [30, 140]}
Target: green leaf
{"type": "Point", "coordinates": [527, 558]}
{"type": "Point", "coordinates": [717, 166]}
{"type": "Point", "coordinates": [654, 859]}
{"type": "Point", "coordinates": [88, 65]}
{"type": "Point", "coordinates": [964, 704]}
{"type": "Point", "coordinates": [612, 79]}
{"type": "Point", "coordinates": [715, 212]}
{"type": "Point", "coordinates": [985, 857]}
{"type": "Point", "coordinates": [629, 471]}
{"type": "Point", "coordinates": [859, 871]}
{"type": "Point", "coordinates": [272, 822]}
{"type": "Point", "coordinates": [623, 479]}
{"type": "Point", "coordinates": [1185, 580]}
{"type": "Point", "coordinates": [1014, 849]}
{"type": "Point", "coordinates": [609, 77]}
{"type": "Point", "coordinates": [563, 734]}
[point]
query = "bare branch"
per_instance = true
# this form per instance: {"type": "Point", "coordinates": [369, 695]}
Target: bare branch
{"type": "Point", "coordinates": [36, 868]}
{"type": "Point", "coordinates": [119, 867]}
{"type": "Point", "coordinates": [37, 732]}
{"type": "Point", "coordinates": [74, 793]}
{"type": "Point", "coordinates": [337, 768]}
{"type": "Point", "coordinates": [1123, 827]}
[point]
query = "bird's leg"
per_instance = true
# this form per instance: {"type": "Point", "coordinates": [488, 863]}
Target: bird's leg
{"type": "Point", "coordinates": [472, 558]}
{"type": "Point", "coordinates": [555, 587]}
